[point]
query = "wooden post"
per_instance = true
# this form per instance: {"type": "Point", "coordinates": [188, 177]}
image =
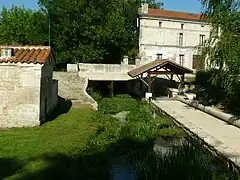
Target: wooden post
{"type": "Point", "coordinates": [171, 81]}
{"type": "Point", "coordinates": [149, 83]}
{"type": "Point", "coordinates": [183, 80]}
{"type": "Point", "coordinates": [141, 83]}
{"type": "Point", "coordinates": [182, 84]}
{"type": "Point", "coordinates": [111, 89]}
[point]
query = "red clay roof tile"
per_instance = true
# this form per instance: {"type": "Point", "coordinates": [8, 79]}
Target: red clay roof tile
{"type": "Point", "coordinates": [28, 54]}
{"type": "Point", "coordinates": [175, 15]}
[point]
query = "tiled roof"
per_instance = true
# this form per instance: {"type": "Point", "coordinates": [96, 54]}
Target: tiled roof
{"type": "Point", "coordinates": [175, 15]}
{"type": "Point", "coordinates": [27, 54]}
{"type": "Point", "coordinates": [172, 66]}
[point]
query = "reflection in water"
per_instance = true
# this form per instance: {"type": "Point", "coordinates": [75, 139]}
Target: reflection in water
{"type": "Point", "coordinates": [122, 169]}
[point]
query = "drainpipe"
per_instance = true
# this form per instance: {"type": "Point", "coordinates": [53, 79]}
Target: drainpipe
{"type": "Point", "coordinates": [230, 119]}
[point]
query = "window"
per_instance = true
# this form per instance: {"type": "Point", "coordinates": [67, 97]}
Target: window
{"type": "Point", "coordinates": [159, 56]}
{"type": "Point", "coordinates": [181, 59]}
{"type": "Point", "coordinates": [202, 39]}
{"type": "Point", "coordinates": [181, 39]}
{"type": "Point", "coordinates": [6, 53]}
{"type": "Point", "coordinates": [182, 25]}
{"type": "Point", "coordinates": [160, 24]}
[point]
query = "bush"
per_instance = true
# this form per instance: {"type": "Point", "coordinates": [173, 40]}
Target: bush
{"type": "Point", "coordinates": [139, 114]}
{"type": "Point", "coordinates": [116, 105]}
{"type": "Point", "coordinates": [123, 96]}
{"type": "Point", "coordinates": [211, 91]}
{"type": "Point", "coordinates": [218, 87]}
{"type": "Point", "coordinates": [95, 95]}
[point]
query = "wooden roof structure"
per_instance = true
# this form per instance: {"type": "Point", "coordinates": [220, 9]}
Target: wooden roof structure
{"type": "Point", "coordinates": [159, 67]}
{"type": "Point", "coordinates": [170, 66]}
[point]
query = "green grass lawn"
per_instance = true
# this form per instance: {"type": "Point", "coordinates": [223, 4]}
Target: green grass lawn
{"type": "Point", "coordinates": [24, 151]}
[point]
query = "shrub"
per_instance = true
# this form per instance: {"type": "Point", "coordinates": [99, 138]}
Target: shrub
{"type": "Point", "coordinates": [116, 105]}
{"type": "Point", "coordinates": [218, 87]}
{"type": "Point", "coordinates": [211, 91]}
{"type": "Point", "coordinates": [139, 114]}
{"type": "Point", "coordinates": [123, 96]}
{"type": "Point", "coordinates": [95, 95]}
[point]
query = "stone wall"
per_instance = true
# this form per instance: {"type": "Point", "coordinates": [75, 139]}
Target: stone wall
{"type": "Point", "coordinates": [49, 91]}
{"type": "Point", "coordinates": [72, 87]}
{"type": "Point", "coordinates": [105, 72]}
{"type": "Point", "coordinates": [20, 95]}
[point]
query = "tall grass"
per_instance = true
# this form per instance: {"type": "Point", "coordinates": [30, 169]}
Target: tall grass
{"type": "Point", "coordinates": [135, 140]}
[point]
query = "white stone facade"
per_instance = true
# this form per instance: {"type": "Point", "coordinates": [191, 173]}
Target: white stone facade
{"type": "Point", "coordinates": [159, 37]}
{"type": "Point", "coordinates": [22, 102]}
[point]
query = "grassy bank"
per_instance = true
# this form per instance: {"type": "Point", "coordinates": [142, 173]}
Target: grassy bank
{"type": "Point", "coordinates": [82, 143]}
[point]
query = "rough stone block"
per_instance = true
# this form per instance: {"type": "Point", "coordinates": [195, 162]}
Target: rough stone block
{"type": "Point", "coordinates": [72, 68]}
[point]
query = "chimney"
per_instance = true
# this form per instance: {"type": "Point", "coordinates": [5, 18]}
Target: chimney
{"type": "Point", "coordinates": [144, 9]}
{"type": "Point", "coordinates": [6, 52]}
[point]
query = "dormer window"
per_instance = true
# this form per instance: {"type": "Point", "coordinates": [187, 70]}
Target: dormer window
{"type": "Point", "coordinates": [6, 52]}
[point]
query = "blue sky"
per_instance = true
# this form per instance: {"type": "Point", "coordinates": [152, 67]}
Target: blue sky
{"type": "Point", "coordinates": [177, 5]}
{"type": "Point", "coordinates": [182, 5]}
{"type": "Point", "coordinates": [27, 3]}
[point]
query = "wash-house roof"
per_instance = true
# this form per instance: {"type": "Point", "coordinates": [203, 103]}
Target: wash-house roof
{"type": "Point", "coordinates": [168, 65]}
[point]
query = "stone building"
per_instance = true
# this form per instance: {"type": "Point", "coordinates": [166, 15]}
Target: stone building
{"type": "Point", "coordinates": [171, 35]}
{"type": "Point", "coordinates": [28, 91]}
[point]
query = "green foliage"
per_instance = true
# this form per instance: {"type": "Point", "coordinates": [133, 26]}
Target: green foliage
{"type": "Point", "coordinates": [20, 26]}
{"type": "Point", "coordinates": [223, 48]}
{"type": "Point", "coordinates": [93, 31]}
{"type": "Point", "coordinates": [116, 105]}
{"type": "Point", "coordinates": [81, 30]}
{"type": "Point", "coordinates": [139, 114]}
{"type": "Point", "coordinates": [127, 96]}
{"type": "Point", "coordinates": [210, 89]}
{"type": "Point", "coordinates": [95, 95]}
{"type": "Point", "coordinates": [175, 164]}
{"type": "Point", "coordinates": [215, 88]}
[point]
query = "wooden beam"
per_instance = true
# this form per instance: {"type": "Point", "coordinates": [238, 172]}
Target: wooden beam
{"type": "Point", "coordinates": [168, 76]}
{"type": "Point", "coordinates": [149, 83]}
{"type": "Point", "coordinates": [142, 80]}
{"type": "Point", "coordinates": [163, 72]}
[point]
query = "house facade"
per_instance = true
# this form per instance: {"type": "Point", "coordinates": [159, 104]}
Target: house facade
{"type": "Point", "coordinates": [171, 35]}
{"type": "Point", "coordinates": [28, 91]}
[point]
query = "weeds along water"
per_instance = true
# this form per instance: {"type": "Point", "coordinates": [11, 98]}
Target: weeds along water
{"type": "Point", "coordinates": [135, 138]}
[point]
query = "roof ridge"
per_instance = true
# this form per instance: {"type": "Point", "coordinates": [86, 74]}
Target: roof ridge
{"type": "Point", "coordinates": [176, 11]}
{"type": "Point", "coordinates": [25, 47]}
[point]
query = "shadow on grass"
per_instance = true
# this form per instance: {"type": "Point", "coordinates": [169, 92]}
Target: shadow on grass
{"type": "Point", "coordinates": [96, 163]}
{"type": "Point", "coordinates": [88, 165]}
{"type": "Point", "coordinates": [62, 107]}
{"type": "Point", "coordinates": [8, 167]}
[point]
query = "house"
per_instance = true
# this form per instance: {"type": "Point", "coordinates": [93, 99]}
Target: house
{"type": "Point", "coordinates": [28, 91]}
{"type": "Point", "coordinates": [171, 35]}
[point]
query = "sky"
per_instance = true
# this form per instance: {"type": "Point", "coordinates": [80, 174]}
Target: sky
{"type": "Point", "coordinates": [176, 5]}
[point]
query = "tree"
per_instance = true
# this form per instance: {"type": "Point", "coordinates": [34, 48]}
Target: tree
{"type": "Point", "coordinates": [92, 30]}
{"type": "Point", "coordinates": [23, 26]}
{"type": "Point", "coordinates": [223, 46]}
